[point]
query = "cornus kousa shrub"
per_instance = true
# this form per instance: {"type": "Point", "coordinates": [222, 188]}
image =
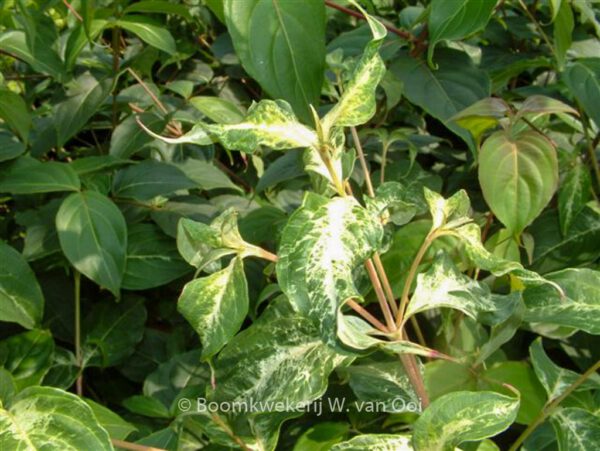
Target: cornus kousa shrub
{"type": "Point", "coordinates": [261, 225]}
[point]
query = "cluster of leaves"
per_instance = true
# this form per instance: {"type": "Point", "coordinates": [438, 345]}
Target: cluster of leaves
{"type": "Point", "coordinates": [189, 218]}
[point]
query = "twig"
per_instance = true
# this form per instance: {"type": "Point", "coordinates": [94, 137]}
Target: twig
{"type": "Point", "coordinates": [551, 406]}
{"type": "Point", "coordinates": [403, 34]}
{"type": "Point", "coordinates": [73, 11]}
{"type": "Point", "coordinates": [363, 162]}
{"type": "Point", "coordinates": [366, 315]}
{"type": "Point", "coordinates": [78, 355]}
{"type": "Point", "coordinates": [383, 303]}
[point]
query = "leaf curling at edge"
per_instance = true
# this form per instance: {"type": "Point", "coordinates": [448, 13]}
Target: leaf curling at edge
{"type": "Point", "coordinates": [271, 123]}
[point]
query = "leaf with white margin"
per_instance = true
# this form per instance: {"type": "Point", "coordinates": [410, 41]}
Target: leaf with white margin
{"type": "Point", "coordinates": [554, 379]}
{"type": "Point", "coordinates": [518, 176]}
{"type": "Point", "coordinates": [576, 429]}
{"type": "Point", "coordinates": [376, 442]}
{"type": "Point", "coordinates": [443, 285]}
{"type": "Point", "coordinates": [216, 306]}
{"type": "Point", "coordinates": [463, 416]}
{"type": "Point", "coordinates": [276, 360]}
{"type": "Point", "coordinates": [50, 418]}
{"type": "Point", "coordinates": [579, 308]}
{"type": "Point", "coordinates": [321, 245]}
{"type": "Point", "coordinates": [270, 123]}
{"type": "Point", "coordinates": [357, 103]}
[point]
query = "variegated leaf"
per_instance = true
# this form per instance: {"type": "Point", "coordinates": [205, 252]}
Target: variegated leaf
{"type": "Point", "coordinates": [322, 243]}
{"type": "Point", "coordinates": [357, 103]}
{"type": "Point", "coordinates": [270, 123]}
{"type": "Point", "coordinates": [555, 379]}
{"type": "Point", "coordinates": [277, 359]}
{"type": "Point", "coordinates": [216, 306]}
{"type": "Point", "coordinates": [463, 416]}
{"type": "Point", "coordinates": [576, 429]}
{"type": "Point", "coordinates": [376, 442]}
{"type": "Point", "coordinates": [50, 418]}
{"type": "Point", "coordinates": [443, 285]}
{"type": "Point", "coordinates": [579, 308]}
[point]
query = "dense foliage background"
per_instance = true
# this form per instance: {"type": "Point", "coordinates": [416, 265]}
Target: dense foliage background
{"type": "Point", "coordinates": [495, 105]}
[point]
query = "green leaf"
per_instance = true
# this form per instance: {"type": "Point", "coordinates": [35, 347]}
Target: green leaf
{"type": "Point", "coordinates": [111, 331]}
{"type": "Point", "coordinates": [376, 442]}
{"type": "Point", "coordinates": [116, 426]}
{"type": "Point", "coordinates": [74, 113]}
{"type": "Point", "coordinates": [574, 192]}
{"type": "Point", "coordinates": [322, 436]}
{"type": "Point", "coordinates": [10, 146]}
{"type": "Point", "coordinates": [576, 429]}
{"type": "Point", "coordinates": [148, 179]}
{"type": "Point", "coordinates": [206, 175]}
{"type": "Point", "coordinates": [146, 406]}
{"type": "Point", "coordinates": [216, 306]}
{"type": "Point", "coordinates": [564, 24]}
{"type": "Point", "coordinates": [149, 31]}
{"type": "Point", "coordinates": [457, 19]}
{"type": "Point", "coordinates": [158, 6]}
{"type": "Point", "coordinates": [129, 138]}
{"type": "Point", "coordinates": [554, 379]}
{"type": "Point", "coordinates": [518, 177]}
{"type": "Point", "coordinates": [540, 105]}
{"type": "Point", "coordinates": [357, 102]}
{"type": "Point", "coordinates": [27, 356]}
{"type": "Point", "coordinates": [46, 418]}
{"type": "Point", "coordinates": [269, 36]}
{"type": "Point", "coordinates": [21, 299]}
{"type": "Point", "coordinates": [580, 309]}
{"type": "Point", "coordinates": [463, 416]}
{"type": "Point", "coordinates": [14, 111]}
{"type": "Point", "coordinates": [152, 258]}
{"type": "Point", "coordinates": [321, 245]}
{"type": "Point", "coordinates": [584, 83]}
{"type": "Point", "coordinates": [93, 236]}
{"type": "Point", "coordinates": [219, 110]}
{"type": "Point", "coordinates": [455, 85]}
{"type": "Point", "coordinates": [38, 177]}
{"type": "Point", "coordinates": [444, 286]}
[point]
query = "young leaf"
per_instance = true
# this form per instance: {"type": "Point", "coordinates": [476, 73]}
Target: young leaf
{"type": "Point", "coordinates": [555, 379]}
{"type": "Point", "coordinates": [216, 306]}
{"type": "Point", "coordinates": [518, 177]}
{"type": "Point", "coordinates": [93, 236]}
{"type": "Point", "coordinates": [45, 417]}
{"type": "Point", "coordinates": [540, 105]}
{"type": "Point", "coordinates": [321, 245]}
{"type": "Point", "coordinates": [481, 116]}
{"type": "Point", "coordinates": [376, 442]}
{"type": "Point", "coordinates": [453, 20]}
{"type": "Point", "coordinates": [38, 177]}
{"type": "Point", "coordinates": [21, 299]}
{"type": "Point", "coordinates": [574, 192]}
{"type": "Point", "coordinates": [219, 110]}
{"type": "Point", "coordinates": [357, 103]}
{"type": "Point", "coordinates": [463, 416]}
{"type": "Point", "coordinates": [268, 36]}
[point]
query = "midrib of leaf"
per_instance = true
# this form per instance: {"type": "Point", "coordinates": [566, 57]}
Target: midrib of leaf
{"type": "Point", "coordinates": [21, 433]}
{"type": "Point", "coordinates": [87, 210]}
{"type": "Point", "coordinates": [287, 41]}
{"type": "Point", "coordinates": [24, 355]}
{"type": "Point", "coordinates": [568, 240]}
{"type": "Point", "coordinates": [118, 321]}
